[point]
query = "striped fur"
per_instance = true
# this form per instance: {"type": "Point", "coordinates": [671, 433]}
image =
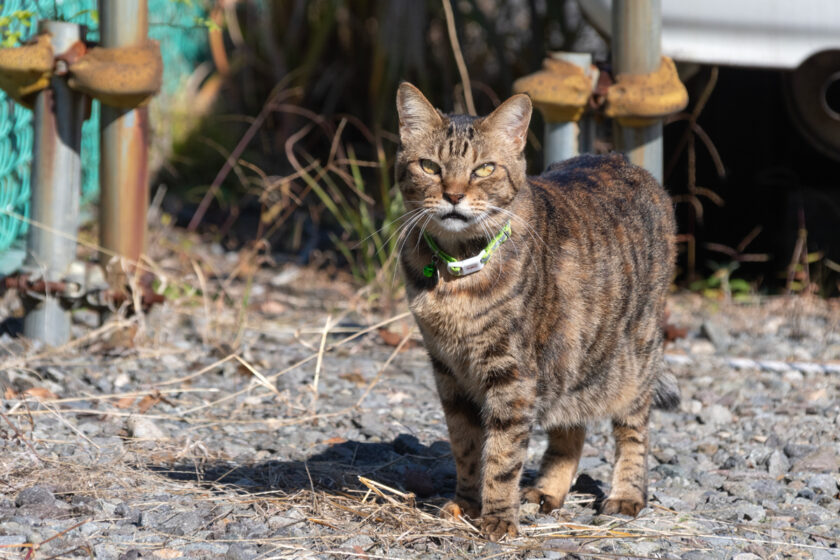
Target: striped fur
{"type": "Point", "coordinates": [561, 327]}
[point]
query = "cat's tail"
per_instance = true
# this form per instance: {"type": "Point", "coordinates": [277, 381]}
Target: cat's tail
{"type": "Point", "coordinates": [666, 392]}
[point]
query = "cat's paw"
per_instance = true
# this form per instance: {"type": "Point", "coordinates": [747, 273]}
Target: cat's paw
{"type": "Point", "coordinates": [494, 527]}
{"type": "Point", "coordinates": [623, 505]}
{"type": "Point", "coordinates": [547, 502]}
{"type": "Point", "coordinates": [459, 508]}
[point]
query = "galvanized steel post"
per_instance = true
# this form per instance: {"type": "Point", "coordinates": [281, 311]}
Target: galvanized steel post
{"type": "Point", "coordinates": [566, 139]}
{"type": "Point", "coordinates": [55, 186]}
{"type": "Point", "coordinates": [636, 49]}
{"type": "Point", "coordinates": [123, 169]}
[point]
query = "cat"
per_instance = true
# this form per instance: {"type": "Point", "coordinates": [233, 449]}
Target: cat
{"type": "Point", "coordinates": [539, 299]}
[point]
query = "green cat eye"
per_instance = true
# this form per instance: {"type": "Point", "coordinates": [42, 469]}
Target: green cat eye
{"type": "Point", "coordinates": [429, 167]}
{"type": "Point", "coordinates": [484, 170]}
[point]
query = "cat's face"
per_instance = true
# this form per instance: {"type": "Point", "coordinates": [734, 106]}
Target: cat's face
{"type": "Point", "coordinates": [461, 171]}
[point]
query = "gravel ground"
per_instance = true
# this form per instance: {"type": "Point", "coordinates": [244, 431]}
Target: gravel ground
{"type": "Point", "coordinates": [202, 431]}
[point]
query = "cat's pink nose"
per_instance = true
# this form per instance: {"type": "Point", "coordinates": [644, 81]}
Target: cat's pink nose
{"type": "Point", "coordinates": [454, 198]}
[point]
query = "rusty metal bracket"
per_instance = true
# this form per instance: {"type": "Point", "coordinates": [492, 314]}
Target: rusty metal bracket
{"type": "Point", "coordinates": [560, 90]}
{"type": "Point", "coordinates": [26, 70]}
{"type": "Point", "coordinates": [639, 99]}
{"type": "Point", "coordinates": [124, 77]}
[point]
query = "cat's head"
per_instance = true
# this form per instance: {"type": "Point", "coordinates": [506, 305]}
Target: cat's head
{"type": "Point", "coordinates": [463, 171]}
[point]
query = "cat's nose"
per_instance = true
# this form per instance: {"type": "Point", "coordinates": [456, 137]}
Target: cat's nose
{"type": "Point", "coordinates": [454, 198]}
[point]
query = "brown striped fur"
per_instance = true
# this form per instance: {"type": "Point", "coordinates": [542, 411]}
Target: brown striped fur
{"type": "Point", "coordinates": [561, 327]}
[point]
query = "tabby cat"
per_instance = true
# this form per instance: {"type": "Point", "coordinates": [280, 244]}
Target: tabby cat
{"type": "Point", "coordinates": [540, 299]}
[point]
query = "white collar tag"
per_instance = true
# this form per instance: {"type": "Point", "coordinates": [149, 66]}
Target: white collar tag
{"type": "Point", "coordinates": [467, 266]}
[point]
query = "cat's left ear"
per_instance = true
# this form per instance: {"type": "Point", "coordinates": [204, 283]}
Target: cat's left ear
{"type": "Point", "coordinates": [510, 121]}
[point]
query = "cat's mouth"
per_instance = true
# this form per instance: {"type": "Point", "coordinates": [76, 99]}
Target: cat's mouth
{"type": "Point", "coordinates": [455, 216]}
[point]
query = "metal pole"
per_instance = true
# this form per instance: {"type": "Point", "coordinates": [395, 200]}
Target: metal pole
{"type": "Point", "coordinates": [636, 49]}
{"type": "Point", "coordinates": [123, 168]}
{"type": "Point", "coordinates": [563, 140]}
{"type": "Point", "coordinates": [56, 186]}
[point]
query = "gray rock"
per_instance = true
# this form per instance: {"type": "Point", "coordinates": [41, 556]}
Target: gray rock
{"type": "Point", "coordinates": [240, 552]}
{"type": "Point", "coordinates": [670, 471]}
{"type": "Point", "coordinates": [700, 555]}
{"type": "Point", "coordinates": [141, 427]}
{"type": "Point", "coordinates": [733, 462]}
{"type": "Point", "coordinates": [644, 548]}
{"type": "Point", "coordinates": [794, 450]}
{"type": "Point", "coordinates": [184, 523]}
{"type": "Point", "coordinates": [362, 541]}
{"type": "Point", "coordinates": [825, 484]}
{"type": "Point", "coordinates": [206, 550]}
{"type": "Point", "coordinates": [716, 415]}
{"type": "Point", "coordinates": [746, 556]}
{"type": "Point", "coordinates": [702, 348]}
{"type": "Point", "coordinates": [128, 513]}
{"type": "Point", "coordinates": [748, 512]}
{"type": "Point", "coordinates": [10, 540]}
{"type": "Point", "coordinates": [716, 335]}
{"type": "Point", "coordinates": [35, 495]}
{"type": "Point", "coordinates": [777, 464]}
{"type": "Point", "coordinates": [155, 518]}
{"type": "Point", "coordinates": [106, 551]}
{"type": "Point", "coordinates": [822, 460]}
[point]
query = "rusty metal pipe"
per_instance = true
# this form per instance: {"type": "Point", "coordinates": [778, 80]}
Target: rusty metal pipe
{"type": "Point", "coordinates": [56, 186]}
{"type": "Point", "coordinates": [636, 49]}
{"type": "Point", "coordinates": [123, 168]}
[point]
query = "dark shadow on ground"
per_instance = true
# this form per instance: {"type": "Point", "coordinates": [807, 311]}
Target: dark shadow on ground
{"type": "Point", "coordinates": [404, 464]}
{"type": "Point", "coordinates": [12, 326]}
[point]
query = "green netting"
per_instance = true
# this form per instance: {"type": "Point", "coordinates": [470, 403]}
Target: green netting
{"type": "Point", "coordinates": [183, 46]}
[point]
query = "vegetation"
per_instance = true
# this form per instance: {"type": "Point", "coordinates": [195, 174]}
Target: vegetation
{"type": "Point", "coordinates": [298, 114]}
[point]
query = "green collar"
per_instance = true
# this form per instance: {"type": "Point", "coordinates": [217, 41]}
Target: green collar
{"type": "Point", "coordinates": [467, 266]}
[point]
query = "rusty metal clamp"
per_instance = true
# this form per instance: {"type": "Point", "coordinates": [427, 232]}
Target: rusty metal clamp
{"type": "Point", "coordinates": [560, 90]}
{"type": "Point", "coordinates": [26, 70]}
{"type": "Point", "coordinates": [639, 99]}
{"type": "Point", "coordinates": [125, 77]}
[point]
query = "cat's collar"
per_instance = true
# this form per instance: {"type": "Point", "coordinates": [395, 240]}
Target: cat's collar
{"type": "Point", "coordinates": [466, 266]}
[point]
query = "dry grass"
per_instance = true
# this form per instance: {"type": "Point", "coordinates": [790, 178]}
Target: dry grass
{"type": "Point", "coordinates": [185, 467]}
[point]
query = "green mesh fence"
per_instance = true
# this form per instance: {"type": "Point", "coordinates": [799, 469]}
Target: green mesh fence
{"type": "Point", "coordinates": [183, 44]}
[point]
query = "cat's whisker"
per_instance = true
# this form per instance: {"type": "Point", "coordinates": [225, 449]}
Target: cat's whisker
{"type": "Point", "coordinates": [518, 220]}
{"type": "Point", "coordinates": [397, 230]}
{"type": "Point", "coordinates": [405, 235]}
{"type": "Point", "coordinates": [406, 231]}
{"type": "Point", "coordinates": [423, 230]}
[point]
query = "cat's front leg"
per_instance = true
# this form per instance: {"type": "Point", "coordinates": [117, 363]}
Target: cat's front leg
{"type": "Point", "coordinates": [559, 465]}
{"type": "Point", "coordinates": [508, 415]}
{"type": "Point", "coordinates": [466, 437]}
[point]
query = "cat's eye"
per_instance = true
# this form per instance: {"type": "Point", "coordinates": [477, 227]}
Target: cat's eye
{"type": "Point", "coordinates": [484, 170]}
{"type": "Point", "coordinates": [429, 167]}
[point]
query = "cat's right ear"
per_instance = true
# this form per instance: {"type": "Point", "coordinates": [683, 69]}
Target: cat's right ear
{"type": "Point", "coordinates": [417, 115]}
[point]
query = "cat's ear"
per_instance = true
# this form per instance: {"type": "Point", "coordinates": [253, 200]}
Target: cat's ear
{"type": "Point", "coordinates": [510, 121]}
{"type": "Point", "coordinates": [417, 115]}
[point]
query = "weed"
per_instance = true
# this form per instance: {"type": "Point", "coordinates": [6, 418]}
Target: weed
{"type": "Point", "coordinates": [721, 285]}
{"type": "Point", "coordinates": [369, 238]}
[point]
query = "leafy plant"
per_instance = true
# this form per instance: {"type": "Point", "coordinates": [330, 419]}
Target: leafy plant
{"type": "Point", "coordinates": [370, 237]}
{"type": "Point", "coordinates": [10, 37]}
{"type": "Point", "coordinates": [721, 285]}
